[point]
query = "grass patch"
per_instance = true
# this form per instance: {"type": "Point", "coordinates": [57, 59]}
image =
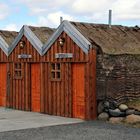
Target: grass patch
{"type": "Point", "coordinates": [135, 104]}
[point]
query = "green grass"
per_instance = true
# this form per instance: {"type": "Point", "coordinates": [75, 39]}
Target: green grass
{"type": "Point", "coordinates": [134, 104]}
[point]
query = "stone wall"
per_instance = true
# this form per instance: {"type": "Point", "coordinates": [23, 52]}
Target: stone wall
{"type": "Point", "coordinates": [118, 77]}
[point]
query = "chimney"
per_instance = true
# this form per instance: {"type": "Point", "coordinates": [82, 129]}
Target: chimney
{"type": "Point", "coordinates": [61, 20]}
{"type": "Point", "coordinates": [110, 18]}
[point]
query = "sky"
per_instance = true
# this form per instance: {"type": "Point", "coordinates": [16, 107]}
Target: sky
{"type": "Point", "coordinates": [16, 13]}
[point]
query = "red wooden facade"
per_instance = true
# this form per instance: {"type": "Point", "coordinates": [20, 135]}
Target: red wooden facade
{"type": "Point", "coordinates": [3, 78]}
{"type": "Point", "coordinates": [55, 86]}
{"type": "Point", "coordinates": [38, 73]}
{"type": "Point", "coordinates": [3, 73]}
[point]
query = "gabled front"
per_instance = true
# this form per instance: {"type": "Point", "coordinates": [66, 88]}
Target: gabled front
{"type": "Point", "coordinates": [75, 35]}
{"type": "Point", "coordinates": [25, 31]}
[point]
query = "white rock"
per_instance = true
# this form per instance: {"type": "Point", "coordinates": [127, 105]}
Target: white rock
{"type": "Point", "coordinates": [123, 107]}
{"type": "Point", "coordinates": [103, 116]}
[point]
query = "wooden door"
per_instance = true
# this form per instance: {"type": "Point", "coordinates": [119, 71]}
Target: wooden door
{"type": "Point", "coordinates": [18, 91]}
{"type": "Point", "coordinates": [35, 87]}
{"type": "Point", "coordinates": [3, 78]}
{"type": "Point", "coordinates": [78, 88]}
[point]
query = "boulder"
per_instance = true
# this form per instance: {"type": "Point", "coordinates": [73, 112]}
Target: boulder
{"type": "Point", "coordinates": [106, 110]}
{"type": "Point", "coordinates": [116, 113]}
{"type": "Point", "coordinates": [106, 104]}
{"type": "Point", "coordinates": [100, 107]}
{"type": "Point", "coordinates": [103, 116]}
{"type": "Point", "coordinates": [137, 112]}
{"type": "Point", "coordinates": [115, 120]}
{"type": "Point", "coordinates": [113, 105]}
{"type": "Point", "coordinates": [132, 119]}
{"type": "Point", "coordinates": [130, 111]}
{"type": "Point", "coordinates": [123, 107]}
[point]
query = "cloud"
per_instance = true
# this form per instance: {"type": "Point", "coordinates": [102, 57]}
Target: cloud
{"type": "Point", "coordinates": [4, 11]}
{"type": "Point", "coordinates": [41, 7]}
{"type": "Point", "coordinates": [53, 19]}
{"type": "Point", "coordinates": [90, 6]}
{"type": "Point", "coordinates": [48, 11]}
{"type": "Point", "coordinates": [123, 10]}
{"type": "Point", "coordinates": [126, 10]}
{"type": "Point", "coordinates": [11, 27]}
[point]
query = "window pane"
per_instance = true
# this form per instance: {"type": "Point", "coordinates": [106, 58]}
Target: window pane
{"type": "Point", "coordinates": [16, 73]}
{"type": "Point", "coordinates": [18, 65]}
{"type": "Point", "coordinates": [19, 73]}
{"type": "Point", "coordinates": [58, 66]}
{"type": "Point", "coordinates": [58, 75]}
{"type": "Point", "coordinates": [53, 66]}
{"type": "Point", "coordinates": [53, 75]}
{"type": "Point", "coordinates": [18, 70]}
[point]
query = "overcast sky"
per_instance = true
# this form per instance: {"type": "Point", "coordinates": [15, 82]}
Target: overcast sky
{"type": "Point", "coordinates": [15, 13]}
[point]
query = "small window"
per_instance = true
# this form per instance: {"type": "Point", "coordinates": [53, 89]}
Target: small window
{"type": "Point", "coordinates": [18, 71]}
{"type": "Point", "coordinates": [55, 71]}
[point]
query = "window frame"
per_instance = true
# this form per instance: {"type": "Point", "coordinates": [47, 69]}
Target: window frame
{"type": "Point", "coordinates": [18, 69]}
{"type": "Point", "coordinates": [55, 69]}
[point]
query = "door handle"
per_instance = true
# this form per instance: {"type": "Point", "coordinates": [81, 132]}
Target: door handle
{"type": "Point", "coordinates": [9, 74]}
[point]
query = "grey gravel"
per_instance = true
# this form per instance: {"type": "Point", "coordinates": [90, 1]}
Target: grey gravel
{"type": "Point", "coordinates": [91, 130]}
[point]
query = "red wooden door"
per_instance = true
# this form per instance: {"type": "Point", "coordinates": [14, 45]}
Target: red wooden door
{"type": "Point", "coordinates": [78, 82]}
{"type": "Point", "coordinates": [35, 87]}
{"type": "Point", "coordinates": [3, 84]}
{"type": "Point", "coordinates": [18, 86]}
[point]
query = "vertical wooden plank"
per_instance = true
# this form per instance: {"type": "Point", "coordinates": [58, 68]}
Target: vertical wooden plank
{"type": "Point", "coordinates": [70, 90]}
{"type": "Point", "coordinates": [50, 91]}
{"type": "Point", "coordinates": [13, 86]}
{"type": "Point", "coordinates": [35, 87]}
{"type": "Point", "coordinates": [29, 85]}
{"type": "Point", "coordinates": [58, 98]}
{"type": "Point", "coordinates": [63, 91]}
{"type": "Point", "coordinates": [3, 73]}
{"type": "Point", "coordinates": [66, 90]}
{"type": "Point", "coordinates": [23, 88]}
{"type": "Point", "coordinates": [8, 87]}
{"type": "Point", "coordinates": [46, 97]}
{"type": "Point", "coordinates": [26, 88]}
{"type": "Point", "coordinates": [42, 95]}
{"type": "Point", "coordinates": [78, 80]}
{"type": "Point", "coordinates": [54, 95]}
{"type": "Point", "coordinates": [87, 91]}
{"type": "Point", "coordinates": [92, 82]}
{"type": "Point", "coordinates": [19, 94]}
{"type": "Point", "coordinates": [16, 92]}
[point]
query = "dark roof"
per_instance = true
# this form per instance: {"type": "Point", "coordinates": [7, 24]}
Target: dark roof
{"type": "Point", "coordinates": [115, 40]}
{"type": "Point", "coordinates": [8, 36]}
{"type": "Point", "coordinates": [43, 33]}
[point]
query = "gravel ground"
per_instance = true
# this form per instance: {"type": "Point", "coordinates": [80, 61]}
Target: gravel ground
{"type": "Point", "coordinates": [93, 130]}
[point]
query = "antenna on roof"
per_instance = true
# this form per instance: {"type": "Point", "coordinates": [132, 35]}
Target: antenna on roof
{"type": "Point", "coordinates": [61, 20]}
{"type": "Point", "coordinates": [110, 18]}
